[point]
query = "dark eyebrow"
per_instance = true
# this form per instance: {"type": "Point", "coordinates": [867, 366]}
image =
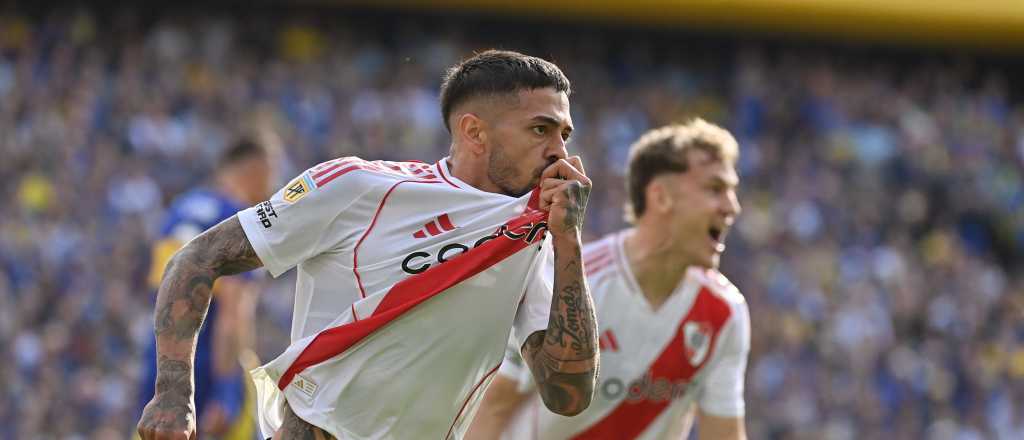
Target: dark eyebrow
{"type": "Point", "coordinates": [550, 121]}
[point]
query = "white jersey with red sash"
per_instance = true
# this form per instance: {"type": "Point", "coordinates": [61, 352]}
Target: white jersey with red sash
{"type": "Point", "coordinates": [388, 342]}
{"type": "Point", "coordinates": [655, 364]}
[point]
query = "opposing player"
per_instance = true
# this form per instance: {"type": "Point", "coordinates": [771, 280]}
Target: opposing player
{"type": "Point", "coordinates": [410, 275]}
{"type": "Point", "coordinates": [242, 177]}
{"type": "Point", "coordinates": [674, 331]}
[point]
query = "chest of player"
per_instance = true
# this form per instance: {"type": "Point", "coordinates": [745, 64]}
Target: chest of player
{"type": "Point", "coordinates": [417, 226]}
{"type": "Point", "coordinates": [655, 355]}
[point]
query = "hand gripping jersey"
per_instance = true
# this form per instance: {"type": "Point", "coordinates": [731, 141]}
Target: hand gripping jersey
{"type": "Point", "coordinates": [409, 281]}
{"type": "Point", "coordinates": [654, 363]}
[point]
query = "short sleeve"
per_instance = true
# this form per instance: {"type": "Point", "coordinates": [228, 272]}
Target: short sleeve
{"type": "Point", "coordinates": [514, 368]}
{"type": "Point", "coordinates": [303, 219]}
{"type": "Point", "coordinates": [722, 392]}
{"type": "Point", "coordinates": [532, 314]}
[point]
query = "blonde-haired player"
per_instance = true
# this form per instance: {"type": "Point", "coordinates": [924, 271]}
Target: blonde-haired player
{"type": "Point", "coordinates": [674, 332]}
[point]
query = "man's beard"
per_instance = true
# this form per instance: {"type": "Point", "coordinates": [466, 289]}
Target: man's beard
{"type": "Point", "coordinates": [502, 171]}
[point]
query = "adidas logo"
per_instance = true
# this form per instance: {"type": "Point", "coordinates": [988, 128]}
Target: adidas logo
{"type": "Point", "coordinates": [607, 341]}
{"type": "Point", "coordinates": [435, 227]}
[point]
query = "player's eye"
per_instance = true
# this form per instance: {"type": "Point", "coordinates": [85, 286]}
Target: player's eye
{"type": "Point", "coordinates": [540, 130]}
{"type": "Point", "coordinates": [566, 135]}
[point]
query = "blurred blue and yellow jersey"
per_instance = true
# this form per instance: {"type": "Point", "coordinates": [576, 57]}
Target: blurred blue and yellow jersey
{"type": "Point", "coordinates": [188, 216]}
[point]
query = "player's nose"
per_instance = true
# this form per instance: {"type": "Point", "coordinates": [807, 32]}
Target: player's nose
{"type": "Point", "coordinates": [731, 206]}
{"type": "Point", "coordinates": [556, 150]}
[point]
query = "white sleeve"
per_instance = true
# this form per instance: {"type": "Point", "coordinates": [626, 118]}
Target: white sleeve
{"type": "Point", "coordinates": [514, 368]}
{"type": "Point", "coordinates": [302, 220]}
{"type": "Point", "coordinates": [532, 314]}
{"type": "Point", "coordinates": [722, 392]}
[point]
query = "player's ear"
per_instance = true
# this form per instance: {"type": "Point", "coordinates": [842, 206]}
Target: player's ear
{"type": "Point", "coordinates": [659, 198]}
{"type": "Point", "coordinates": [471, 128]}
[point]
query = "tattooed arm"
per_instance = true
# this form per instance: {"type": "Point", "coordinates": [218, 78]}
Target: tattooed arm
{"type": "Point", "coordinates": [181, 305]}
{"type": "Point", "coordinates": [294, 428]}
{"type": "Point", "coordinates": [564, 358]}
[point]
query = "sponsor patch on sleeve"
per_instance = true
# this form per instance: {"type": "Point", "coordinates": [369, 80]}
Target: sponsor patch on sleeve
{"type": "Point", "coordinates": [264, 211]}
{"type": "Point", "coordinates": [298, 188]}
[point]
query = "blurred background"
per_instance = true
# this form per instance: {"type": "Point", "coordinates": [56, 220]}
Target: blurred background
{"type": "Point", "coordinates": [880, 248]}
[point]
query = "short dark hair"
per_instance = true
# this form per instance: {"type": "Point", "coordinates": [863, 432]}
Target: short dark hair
{"type": "Point", "coordinates": [497, 72]}
{"type": "Point", "coordinates": [242, 149]}
{"type": "Point", "coordinates": [664, 150]}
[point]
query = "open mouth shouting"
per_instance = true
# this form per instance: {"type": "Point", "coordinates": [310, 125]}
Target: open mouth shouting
{"type": "Point", "coordinates": [717, 235]}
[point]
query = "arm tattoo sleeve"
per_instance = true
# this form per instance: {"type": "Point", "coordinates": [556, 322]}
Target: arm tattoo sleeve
{"type": "Point", "coordinates": [184, 295]}
{"type": "Point", "coordinates": [294, 428]}
{"type": "Point", "coordinates": [564, 358]}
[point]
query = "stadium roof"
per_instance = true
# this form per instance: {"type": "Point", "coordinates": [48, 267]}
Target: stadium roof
{"type": "Point", "coordinates": [989, 24]}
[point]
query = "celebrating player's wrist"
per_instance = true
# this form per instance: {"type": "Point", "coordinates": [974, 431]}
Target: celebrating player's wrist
{"type": "Point", "coordinates": [567, 240]}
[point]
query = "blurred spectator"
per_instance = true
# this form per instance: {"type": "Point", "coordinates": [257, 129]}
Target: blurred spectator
{"type": "Point", "coordinates": [880, 247]}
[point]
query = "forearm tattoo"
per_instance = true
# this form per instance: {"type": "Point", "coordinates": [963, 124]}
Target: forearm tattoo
{"type": "Point", "coordinates": [177, 376]}
{"type": "Point", "coordinates": [565, 393]}
{"type": "Point", "coordinates": [564, 358]}
{"type": "Point", "coordinates": [572, 327]}
{"type": "Point", "coordinates": [184, 295]}
{"type": "Point", "coordinates": [294, 428]}
{"type": "Point", "coordinates": [568, 329]}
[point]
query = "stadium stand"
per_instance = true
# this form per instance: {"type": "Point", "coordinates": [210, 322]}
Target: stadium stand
{"type": "Point", "coordinates": [880, 246]}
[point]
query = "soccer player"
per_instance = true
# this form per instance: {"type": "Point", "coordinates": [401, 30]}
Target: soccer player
{"type": "Point", "coordinates": [410, 275]}
{"type": "Point", "coordinates": [673, 330]}
{"type": "Point", "coordinates": [242, 177]}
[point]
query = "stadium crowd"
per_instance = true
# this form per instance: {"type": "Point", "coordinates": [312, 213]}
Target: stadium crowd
{"type": "Point", "coordinates": [880, 246]}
